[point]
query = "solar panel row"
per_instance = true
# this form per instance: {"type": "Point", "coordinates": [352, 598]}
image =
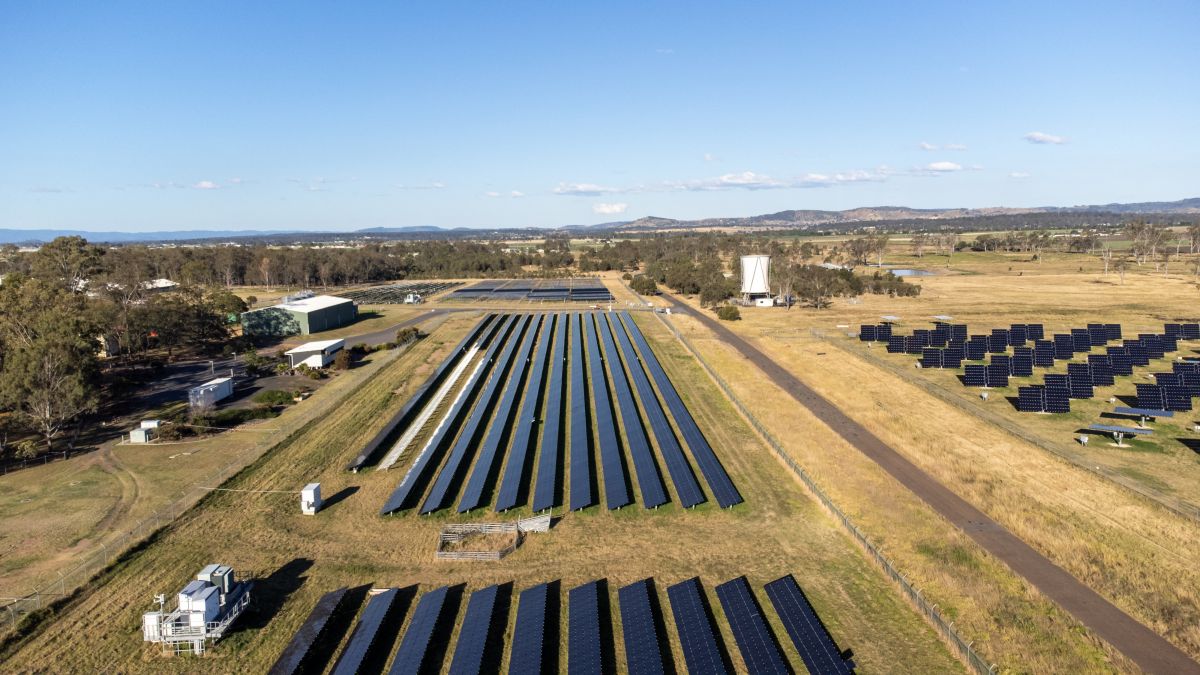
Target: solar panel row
{"type": "Point", "coordinates": [808, 633]}
{"type": "Point", "coordinates": [295, 655]}
{"type": "Point", "coordinates": [582, 470]}
{"type": "Point", "coordinates": [478, 628]}
{"type": "Point", "coordinates": [754, 638]}
{"type": "Point", "coordinates": [616, 490]}
{"type": "Point", "coordinates": [643, 644]}
{"type": "Point", "coordinates": [529, 633]}
{"type": "Point", "coordinates": [584, 655]}
{"type": "Point", "coordinates": [698, 637]}
{"type": "Point", "coordinates": [414, 647]}
{"type": "Point", "coordinates": [545, 493]}
{"type": "Point", "coordinates": [363, 640]}
{"type": "Point", "coordinates": [514, 468]}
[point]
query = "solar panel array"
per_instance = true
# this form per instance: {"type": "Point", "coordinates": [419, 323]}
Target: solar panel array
{"type": "Point", "coordinates": [395, 294]}
{"type": "Point", "coordinates": [423, 645]}
{"type": "Point", "coordinates": [536, 290]}
{"type": "Point", "coordinates": [480, 445]}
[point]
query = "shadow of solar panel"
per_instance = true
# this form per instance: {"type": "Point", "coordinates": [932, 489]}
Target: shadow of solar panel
{"type": "Point", "coordinates": [582, 472]}
{"type": "Point", "coordinates": [363, 640]}
{"type": "Point", "coordinates": [296, 653]}
{"type": "Point", "coordinates": [1177, 397]}
{"type": "Point", "coordinates": [997, 375]}
{"type": "Point", "coordinates": [1150, 396]}
{"type": "Point", "coordinates": [698, 638]}
{"type": "Point", "coordinates": [584, 654]}
{"type": "Point", "coordinates": [977, 349]}
{"type": "Point", "coordinates": [754, 638]}
{"type": "Point", "coordinates": [643, 644]}
{"type": "Point", "coordinates": [545, 493]}
{"type": "Point", "coordinates": [479, 625]}
{"type": "Point", "coordinates": [686, 486]}
{"type": "Point", "coordinates": [1031, 398]}
{"type": "Point", "coordinates": [406, 494]}
{"type": "Point", "coordinates": [529, 633]}
{"type": "Point", "coordinates": [650, 482]}
{"type": "Point", "coordinates": [808, 633]}
{"type": "Point", "coordinates": [1058, 399]}
{"type": "Point", "coordinates": [1097, 334]}
{"type": "Point", "coordinates": [410, 657]}
{"type": "Point", "coordinates": [616, 490]}
{"type": "Point", "coordinates": [1034, 331]}
{"type": "Point", "coordinates": [502, 418]}
{"type": "Point", "coordinates": [866, 333]}
{"type": "Point", "coordinates": [523, 432]}
{"type": "Point", "coordinates": [1190, 331]}
{"type": "Point", "coordinates": [722, 486]}
{"type": "Point", "coordinates": [975, 375]}
{"type": "Point", "coordinates": [450, 475]}
{"type": "Point", "coordinates": [1043, 354]}
{"type": "Point", "coordinates": [896, 344]}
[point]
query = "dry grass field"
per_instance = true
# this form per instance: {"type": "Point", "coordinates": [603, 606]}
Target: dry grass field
{"type": "Point", "coordinates": [296, 558]}
{"type": "Point", "coordinates": [1138, 554]}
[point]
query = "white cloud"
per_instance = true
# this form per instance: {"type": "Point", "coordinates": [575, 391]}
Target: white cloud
{"type": "Point", "coordinates": [435, 185]}
{"type": "Point", "coordinates": [955, 146]}
{"type": "Point", "coordinates": [493, 195]}
{"type": "Point", "coordinates": [1019, 175]}
{"type": "Point", "coordinates": [928, 146]}
{"type": "Point", "coordinates": [943, 167]}
{"type": "Point", "coordinates": [1044, 139]}
{"type": "Point", "coordinates": [516, 194]}
{"type": "Point", "coordinates": [609, 209]}
{"type": "Point", "coordinates": [206, 185]}
{"type": "Point", "coordinates": [949, 146]}
{"type": "Point", "coordinates": [709, 157]}
{"type": "Point", "coordinates": [586, 190]}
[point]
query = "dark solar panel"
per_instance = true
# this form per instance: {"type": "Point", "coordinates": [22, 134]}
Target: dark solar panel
{"type": "Point", "coordinates": [545, 493]}
{"type": "Point", "coordinates": [1101, 370]}
{"type": "Point", "coordinates": [1191, 381]}
{"type": "Point", "coordinates": [975, 375]}
{"type": "Point", "coordinates": [1031, 398]}
{"type": "Point", "coordinates": [1177, 397]}
{"type": "Point", "coordinates": [951, 358]}
{"type": "Point", "coordinates": [686, 485]}
{"type": "Point", "coordinates": [478, 627]}
{"type": "Point", "coordinates": [650, 483]}
{"type": "Point", "coordinates": [584, 656]}
{"type": "Point", "coordinates": [998, 341]}
{"type": "Point", "coordinates": [958, 331]}
{"type": "Point", "coordinates": [529, 634]}
{"type": "Point", "coordinates": [1043, 354]}
{"type": "Point", "coordinates": [1016, 335]}
{"type": "Point", "coordinates": [698, 638]}
{"type": "Point", "coordinates": [1097, 334]}
{"type": "Point", "coordinates": [295, 655]}
{"type": "Point", "coordinates": [1190, 331]}
{"type": "Point", "coordinates": [1152, 344]}
{"type": "Point", "coordinates": [1150, 396]}
{"type": "Point", "coordinates": [1169, 343]}
{"type": "Point", "coordinates": [866, 333]}
{"type": "Point", "coordinates": [1064, 346]}
{"type": "Point", "coordinates": [643, 644]}
{"type": "Point", "coordinates": [1058, 399]}
{"type": "Point", "coordinates": [411, 655]}
{"type": "Point", "coordinates": [616, 490]}
{"type": "Point", "coordinates": [1122, 365]}
{"type": "Point", "coordinates": [997, 375]}
{"type": "Point", "coordinates": [1138, 354]}
{"type": "Point", "coordinates": [459, 459]}
{"type": "Point", "coordinates": [1022, 362]}
{"type": "Point", "coordinates": [582, 471]}
{"type": "Point", "coordinates": [931, 357]}
{"type": "Point", "coordinates": [920, 338]}
{"type": "Point", "coordinates": [808, 633]}
{"type": "Point", "coordinates": [939, 338]}
{"type": "Point", "coordinates": [1003, 361]}
{"type": "Point", "coordinates": [363, 639]}
{"type": "Point", "coordinates": [1034, 331]}
{"type": "Point", "coordinates": [977, 349]}
{"type": "Point", "coordinates": [415, 479]}
{"type": "Point", "coordinates": [883, 332]}
{"type": "Point", "coordinates": [1080, 375]}
{"type": "Point", "coordinates": [896, 344]}
{"type": "Point", "coordinates": [1082, 339]}
{"type": "Point", "coordinates": [718, 480]}
{"type": "Point", "coordinates": [493, 444]}
{"type": "Point", "coordinates": [1173, 330]}
{"type": "Point", "coordinates": [523, 433]}
{"type": "Point", "coordinates": [912, 345]}
{"type": "Point", "coordinates": [1114, 331]}
{"type": "Point", "coordinates": [1165, 379]}
{"type": "Point", "coordinates": [750, 630]}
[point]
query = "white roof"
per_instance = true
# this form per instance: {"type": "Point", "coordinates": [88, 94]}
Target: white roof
{"type": "Point", "coordinates": [219, 380]}
{"type": "Point", "coordinates": [314, 303]}
{"type": "Point", "coordinates": [318, 346]}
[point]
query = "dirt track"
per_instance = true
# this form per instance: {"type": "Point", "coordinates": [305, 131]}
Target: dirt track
{"type": "Point", "coordinates": [1150, 651]}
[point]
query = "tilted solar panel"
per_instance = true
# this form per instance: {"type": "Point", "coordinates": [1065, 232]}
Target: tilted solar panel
{"type": "Point", "coordinates": [866, 332]}
{"type": "Point", "coordinates": [1022, 362]}
{"type": "Point", "coordinates": [643, 644]}
{"type": "Point", "coordinates": [1138, 354]}
{"type": "Point", "coordinates": [1173, 330]}
{"type": "Point", "coordinates": [931, 357]}
{"type": "Point", "coordinates": [951, 358]}
{"type": "Point", "coordinates": [1190, 331]}
{"type": "Point", "coordinates": [998, 344]}
{"type": "Point", "coordinates": [414, 647]}
{"type": "Point", "coordinates": [1169, 344]}
{"type": "Point", "coordinates": [686, 486]}
{"type": "Point", "coordinates": [1177, 397]}
{"type": "Point", "coordinates": [896, 344]}
{"type": "Point", "coordinates": [1058, 399]}
{"type": "Point", "coordinates": [616, 489]}
{"type": "Point", "coordinates": [364, 639]}
{"type": "Point", "coordinates": [883, 332]}
{"type": "Point", "coordinates": [1031, 398]}
{"type": "Point", "coordinates": [698, 638]}
{"type": "Point", "coordinates": [997, 375]}
{"type": "Point", "coordinates": [523, 432]}
{"type": "Point", "coordinates": [1043, 354]}
{"type": "Point", "coordinates": [808, 633]}
{"type": "Point", "coordinates": [1191, 382]}
{"type": "Point", "coordinates": [529, 633]}
{"type": "Point", "coordinates": [975, 375]}
{"type": "Point", "coordinates": [1016, 335]}
{"type": "Point", "coordinates": [650, 482]}
{"type": "Point", "coordinates": [710, 466]}
{"type": "Point", "coordinates": [750, 630]}
{"type": "Point", "coordinates": [977, 349]}
{"type": "Point", "coordinates": [1150, 396]}
{"type": "Point", "coordinates": [958, 332]}
{"type": "Point", "coordinates": [1082, 339]}
{"type": "Point", "coordinates": [1114, 331]}
{"type": "Point", "coordinates": [1152, 344]}
{"type": "Point", "coordinates": [1101, 370]}
{"type": "Point", "coordinates": [480, 625]}
{"type": "Point", "coordinates": [1003, 361]}
{"type": "Point", "coordinates": [581, 469]}
{"type": "Point", "coordinates": [584, 655]}
{"type": "Point", "coordinates": [295, 655]}
{"type": "Point", "coordinates": [549, 462]}
{"type": "Point", "coordinates": [1122, 365]}
{"type": "Point", "coordinates": [1034, 331]}
{"type": "Point", "coordinates": [1097, 334]}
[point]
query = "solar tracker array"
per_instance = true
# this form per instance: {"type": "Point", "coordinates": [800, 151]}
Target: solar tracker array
{"type": "Point", "coordinates": [536, 290]}
{"type": "Point", "coordinates": [483, 440]}
{"type": "Point", "coordinates": [395, 294]}
{"type": "Point", "coordinates": [481, 630]}
{"type": "Point", "coordinates": [1081, 378]}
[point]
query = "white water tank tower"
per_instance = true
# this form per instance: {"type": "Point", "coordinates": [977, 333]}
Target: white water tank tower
{"type": "Point", "coordinates": [755, 269]}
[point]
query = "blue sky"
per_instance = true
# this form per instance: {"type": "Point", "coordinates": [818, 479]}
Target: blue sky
{"type": "Point", "coordinates": [293, 115]}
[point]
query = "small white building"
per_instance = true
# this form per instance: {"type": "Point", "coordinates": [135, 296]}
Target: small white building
{"type": "Point", "coordinates": [413, 299]}
{"type": "Point", "coordinates": [315, 354]}
{"type": "Point", "coordinates": [310, 499]}
{"type": "Point", "coordinates": [207, 394]}
{"type": "Point", "coordinates": [142, 435]}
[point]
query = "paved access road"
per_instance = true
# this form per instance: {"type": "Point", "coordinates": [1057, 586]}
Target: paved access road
{"type": "Point", "coordinates": [1149, 650]}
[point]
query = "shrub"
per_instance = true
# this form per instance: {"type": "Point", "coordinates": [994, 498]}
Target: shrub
{"type": "Point", "coordinates": [644, 285]}
{"type": "Point", "coordinates": [728, 313]}
{"type": "Point", "coordinates": [273, 397]}
{"type": "Point", "coordinates": [627, 276]}
{"type": "Point", "coordinates": [342, 360]}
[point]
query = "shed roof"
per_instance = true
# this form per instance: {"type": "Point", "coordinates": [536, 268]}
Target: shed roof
{"type": "Point", "coordinates": [315, 346]}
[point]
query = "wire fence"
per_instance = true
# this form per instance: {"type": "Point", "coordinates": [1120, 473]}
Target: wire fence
{"type": "Point", "coordinates": [14, 608]}
{"type": "Point", "coordinates": [13, 465]}
{"type": "Point", "coordinates": [961, 647]}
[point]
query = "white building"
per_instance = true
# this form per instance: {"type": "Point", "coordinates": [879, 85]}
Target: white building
{"type": "Point", "coordinates": [207, 394]}
{"type": "Point", "coordinates": [315, 354]}
{"type": "Point", "coordinates": [755, 282]}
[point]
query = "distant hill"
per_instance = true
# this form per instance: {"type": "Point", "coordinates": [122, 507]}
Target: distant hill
{"type": "Point", "coordinates": [882, 216]}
